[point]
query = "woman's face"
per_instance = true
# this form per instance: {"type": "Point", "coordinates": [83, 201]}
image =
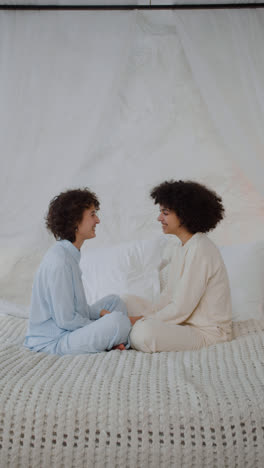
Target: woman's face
{"type": "Point", "coordinates": [170, 222]}
{"type": "Point", "coordinates": [86, 228]}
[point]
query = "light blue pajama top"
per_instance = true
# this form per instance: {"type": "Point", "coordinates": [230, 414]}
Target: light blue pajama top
{"type": "Point", "coordinates": [58, 303]}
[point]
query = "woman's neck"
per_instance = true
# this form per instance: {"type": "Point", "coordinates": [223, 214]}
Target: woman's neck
{"type": "Point", "coordinates": [78, 243]}
{"type": "Point", "coordinates": [184, 237]}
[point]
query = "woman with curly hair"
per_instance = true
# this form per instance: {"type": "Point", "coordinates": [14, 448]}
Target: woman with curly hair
{"type": "Point", "coordinates": [61, 322]}
{"type": "Point", "coordinates": [194, 309]}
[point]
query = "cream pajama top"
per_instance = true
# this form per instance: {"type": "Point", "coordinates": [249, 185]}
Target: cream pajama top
{"type": "Point", "coordinates": [197, 291]}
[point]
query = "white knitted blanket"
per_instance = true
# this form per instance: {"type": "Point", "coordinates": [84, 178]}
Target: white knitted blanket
{"type": "Point", "coordinates": [133, 410]}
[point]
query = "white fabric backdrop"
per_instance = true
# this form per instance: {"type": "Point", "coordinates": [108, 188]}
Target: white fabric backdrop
{"type": "Point", "coordinates": [120, 101]}
{"type": "Point", "coordinates": [235, 99]}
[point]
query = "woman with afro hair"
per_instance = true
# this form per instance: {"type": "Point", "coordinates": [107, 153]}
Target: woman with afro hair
{"type": "Point", "coordinates": [194, 308]}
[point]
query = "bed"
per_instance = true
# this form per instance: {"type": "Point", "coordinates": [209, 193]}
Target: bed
{"type": "Point", "coordinates": [130, 409]}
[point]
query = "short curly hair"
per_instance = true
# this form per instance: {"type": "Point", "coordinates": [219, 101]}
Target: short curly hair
{"type": "Point", "coordinates": [66, 211]}
{"type": "Point", "coordinates": [198, 208]}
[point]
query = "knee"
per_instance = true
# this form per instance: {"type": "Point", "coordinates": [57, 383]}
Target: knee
{"type": "Point", "coordinates": [111, 298]}
{"type": "Point", "coordinates": [137, 305]}
{"type": "Point", "coordinates": [142, 337]}
{"type": "Point", "coordinates": [119, 323]}
{"type": "Point", "coordinates": [117, 304]}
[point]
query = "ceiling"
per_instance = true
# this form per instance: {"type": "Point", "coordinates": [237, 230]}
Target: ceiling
{"type": "Point", "coordinates": [127, 3]}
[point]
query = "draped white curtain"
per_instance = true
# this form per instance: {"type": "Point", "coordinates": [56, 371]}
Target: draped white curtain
{"type": "Point", "coordinates": [58, 74]}
{"type": "Point", "coordinates": [120, 101]}
{"type": "Point", "coordinates": [225, 52]}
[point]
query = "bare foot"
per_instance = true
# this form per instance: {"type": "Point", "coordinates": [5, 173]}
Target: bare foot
{"type": "Point", "coordinates": [121, 347]}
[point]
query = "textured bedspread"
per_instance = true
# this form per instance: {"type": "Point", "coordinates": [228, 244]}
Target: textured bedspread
{"type": "Point", "coordinates": [129, 409]}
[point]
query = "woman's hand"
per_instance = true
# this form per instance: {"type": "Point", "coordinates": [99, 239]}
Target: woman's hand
{"type": "Point", "coordinates": [104, 312]}
{"type": "Point", "coordinates": [133, 320]}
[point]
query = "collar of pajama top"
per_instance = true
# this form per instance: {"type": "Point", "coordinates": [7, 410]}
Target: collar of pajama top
{"type": "Point", "coordinates": [195, 236]}
{"type": "Point", "coordinates": [74, 252]}
{"type": "Point", "coordinates": [179, 250]}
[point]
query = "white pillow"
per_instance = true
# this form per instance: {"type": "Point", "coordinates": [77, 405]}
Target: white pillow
{"type": "Point", "coordinates": [127, 268]}
{"type": "Point", "coordinates": [245, 268]}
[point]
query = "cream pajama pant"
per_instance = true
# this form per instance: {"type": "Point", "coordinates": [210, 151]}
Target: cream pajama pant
{"type": "Point", "coordinates": [151, 335]}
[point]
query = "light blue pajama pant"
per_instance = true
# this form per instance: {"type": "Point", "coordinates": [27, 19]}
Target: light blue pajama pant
{"type": "Point", "coordinates": [99, 335]}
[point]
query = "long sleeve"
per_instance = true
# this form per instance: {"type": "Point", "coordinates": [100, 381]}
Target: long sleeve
{"type": "Point", "coordinates": [186, 290]}
{"type": "Point", "coordinates": [62, 300]}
